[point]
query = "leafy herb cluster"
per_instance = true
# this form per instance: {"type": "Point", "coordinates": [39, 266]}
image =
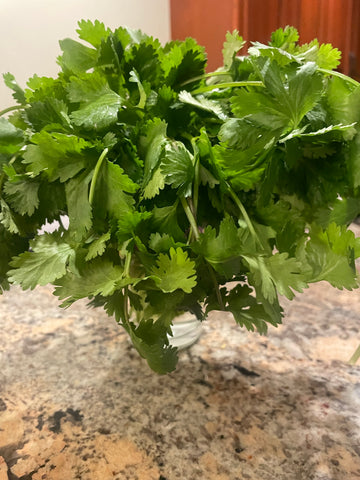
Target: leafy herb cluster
{"type": "Point", "coordinates": [185, 191]}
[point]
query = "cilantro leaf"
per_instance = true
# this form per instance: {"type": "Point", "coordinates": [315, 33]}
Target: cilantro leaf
{"type": "Point", "coordinates": [44, 264]}
{"type": "Point", "coordinates": [178, 167]}
{"type": "Point", "coordinates": [10, 82]}
{"type": "Point", "coordinates": [100, 113]}
{"type": "Point", "coordinates": [232, 45]}
{"type": "Point", "coordinates": [113, 192]}
{"type": "Point", "coordinates": [76, 57]}
{"type": "Point", "coordinates": [79, 208]}
{"type": "Point", "coordinates": [149, 339]}
{"type": "Point", "coordinates": [175, 271]}
{"type": "Point", "coordinates": [57, 155]}
{"type": "Point", "coordinates": [277, 273]}
{"type": "Point", "coordinates": [23, 196]}
{"type": "Point", "coordinates": [329, 255]}
{"type": "Point", "coordinates": [202, 103]}
{"type": "Point", "coordinates": [92, 32]}
{"type": "Point", "coordinates": [97, 246]}
{"type": "Point", "coordinates": [247, 311]}
{"type": "Point", "coordinates": [98, 277]}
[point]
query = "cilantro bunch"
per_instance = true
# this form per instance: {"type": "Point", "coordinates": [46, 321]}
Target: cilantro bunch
{"type": "Point", "coordinates": [185, 191]}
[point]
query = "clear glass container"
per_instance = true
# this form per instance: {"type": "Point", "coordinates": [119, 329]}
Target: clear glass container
{"type": "Point", "coordinates": [186, 331]}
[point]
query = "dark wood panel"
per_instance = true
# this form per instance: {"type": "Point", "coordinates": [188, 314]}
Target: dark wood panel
{"type": "Point", "coordinates": [331, 21]}
{"type": "Point", "coordinates": [207, 21]}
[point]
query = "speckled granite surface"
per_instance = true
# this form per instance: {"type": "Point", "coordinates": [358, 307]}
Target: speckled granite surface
{"type": "Point", "coordinates": [76, 402]}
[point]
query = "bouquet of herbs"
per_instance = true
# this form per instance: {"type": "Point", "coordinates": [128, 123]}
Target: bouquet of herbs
{"type": "Point", "coordinates": [184, 190]}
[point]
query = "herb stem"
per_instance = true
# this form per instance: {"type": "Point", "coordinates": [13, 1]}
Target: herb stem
{"type": "Point", "coordinates": [190, 217]}
{"type": "Point", "coordinates": [2, 178]}
{"type": "Point", "coordinates": [11, 109]}
{"type": "Point", "coordinates": [196, 179]}
{"type": "Point", "coordinates": [96, 175]}
{"type": "Point", "coordinates": [216, 285]}
{"type": "Point", "coordinates": [244, 214]}
{"type": "Point", "coordinates": [209, 88]}
{"type": "Point", "coordinates": [203, 77]}
{"type": "Point", "coordinates": [355, 357]}
{"type": "Point", "coordinates": [340, 75]}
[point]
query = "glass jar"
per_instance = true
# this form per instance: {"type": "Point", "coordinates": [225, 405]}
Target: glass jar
{"type": "Point", "coordinates": [186, 329]}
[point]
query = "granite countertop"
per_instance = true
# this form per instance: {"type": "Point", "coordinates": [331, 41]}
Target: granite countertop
{"type": "Point", "coordinates": [77, 402]}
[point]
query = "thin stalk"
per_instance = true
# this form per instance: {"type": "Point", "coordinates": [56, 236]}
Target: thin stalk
{"type": "Point", "coordinates": [340, 75]}
{"type": "Point", "coordinates": [96, 175]}
{"type": "Point", "coordinates": [209, 88]}
{"type": "Point", "coordinates": [216, 285]}
{"type": "Point", "coordinates": [190, 217]}
{"type": "Point", "coordinates": [203, 77]}
{"type": "Point", "coordinates": [244, 214]}
{"type": "Point", "coordinates": [126, 288]}
{"type": "Point", "coordinates": [11, 109]}
{"type": "Point", "coordinates": [355, 356]}
{"type": "Point", "coordinates": [196, 187]}
{"type": "Point", "coordinates": [2, 179]}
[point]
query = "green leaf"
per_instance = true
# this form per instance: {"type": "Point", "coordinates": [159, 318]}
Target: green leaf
{"type": "Point", "coordinates": [7, 218]}
{"type": "Point", "coordinates": [203, 103]}
{"type": "Point", "coordinates": [92, 32]}
{"type": "Point", "coordinates": [233, 44]}
{"type": "Point", "coordinates": [9, 133]}
{"type": "Point", "coordinates": [329, 255]}
{"type": "Point", "coordinates": [44, 264]}
{"type": "Point", "coordinates": [149, 339]}
{"type": "Point", "coordinates": [297, 96]}
{"type": "Point", "coordinates": [11, 83]}
{"type": "Point", "coordinates": [156, 183]}
{"type": "Point", "coordinates": [56, 155]}
{"type": "Point", "coordinates": [100, 113]}
{"type": "Point", "coordinates": [79, 208]}
{"type": "Point", "coordinates": [342, 212]}
{"type": "Point", "coordinates": [276, 274]}
{"type": "Point", "coordinates": [50, 114]}
{"type": "Point", "coordinates": [152, 143]}
{"type": "Point", "coordinates": [112, 193]}
{"type": "Point", "coordinates": [42, 89]}
{"type": "Point", "coordinates": [175, 271]}
{"type": "Point", "coordinates": [129, 223]}
{"type": "Point", "coordinates": [98, 246]}
{"type": "Point", "coordinates": [183, 61]}
{"type": "Point", "coordinates": [23, 196]}
{"type": "Point", "coordinates": [165, 220]}
{"type": "Point", "coordinates": [98, 277]}
{"type": "Point", "coordinates": [11, 138]}
{"type": "Point", "coordinates": [76, 57]}
{"type": "Point", "coordinates": [328, 57]}
{"type": "Point", "coordinates": [87, 87]}
{"type": "Point", "coordinates": [178, 168]}
{"type": "Point", "coordinates": [247, 311]}
{"type": "Point", "coordinates": [162, 242]}
{"type": "Point", "coordinates": [221, 250]}
{"type": "Point", "coordinates": [10, 246]}
{"type": "Point", "coordinates": [285, 38]}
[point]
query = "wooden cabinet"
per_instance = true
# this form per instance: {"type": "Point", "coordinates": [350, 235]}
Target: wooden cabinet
{"type": "Point", "coordinates": [331, 21]}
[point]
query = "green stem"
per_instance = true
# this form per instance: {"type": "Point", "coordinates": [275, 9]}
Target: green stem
{"type": "Point", "coordinates": [340, 75]}
{"type": "Point", "coordinates": [209, 88]}
{"type": "Point", "coordinates": [355, 356]}
{"type": "Point", "coordinates": [203, 77]}
{"type": "Point", "coordinates": [2, 179]}
{"type": "Point", "coordinates": [96, 174]}
{"type": "Point", "coordinates": [244, 214]}
{"type": "Point", "coordinates": [190, 217]}
{"type": "Point", "coordinates": [216, 285]}
{"type": "Point", "coordinates": [11, 109]}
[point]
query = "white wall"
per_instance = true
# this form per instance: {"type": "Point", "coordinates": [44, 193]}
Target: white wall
{"type": "Point", "coordinates": [30, 30]}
